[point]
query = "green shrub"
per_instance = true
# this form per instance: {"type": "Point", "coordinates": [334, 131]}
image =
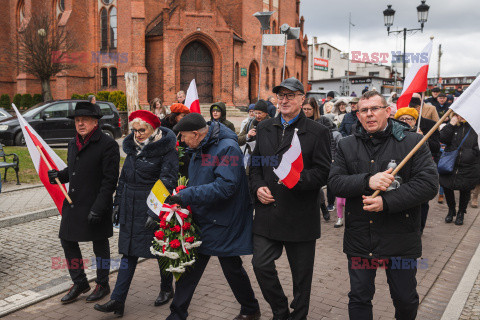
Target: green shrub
{"type": "Point", "coordinates": [77, 96]}
{"type": "Point", "coordinates": [17, 100]}
{"type": "Point", "coordinates": [5, 102]}
{"type": "Point", "coordinates": [37, 98]}
{"type": "Point", "coordinates": [27, 100]}
{"type": "Point", "coordinates": [119, 99]}
{"type": "Point", "coordinates": [102, 95]}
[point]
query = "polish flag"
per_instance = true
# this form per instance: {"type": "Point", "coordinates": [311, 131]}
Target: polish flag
{"type": "Point", "coordinates": [467, 106]}
{"type": "Point", "coordinates": [416, 79]}
{"type": "Point", "coordinates": [33, 140]}
{"type": "Point", "coordinates": [191, 100]}
{"type": "Point", "coordinates": [288, 172]}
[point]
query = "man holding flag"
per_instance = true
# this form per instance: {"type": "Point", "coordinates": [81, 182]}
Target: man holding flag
{"type": "Point", "coordinates": [379, 230]}
{"type": "Point", "coordinates": [287, 213]}
{"type": "Point", "coordinates": [92, 172]}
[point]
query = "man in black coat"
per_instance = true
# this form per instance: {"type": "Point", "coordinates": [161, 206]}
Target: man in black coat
{"type": "Point", "coordinates": [285, 217]}
{"type": "Point", "coordinates": [92, 173]}
{"type": "Point", "coordinates": [433, 100]}
{"type": "Point", "coordinates": [385, 230]}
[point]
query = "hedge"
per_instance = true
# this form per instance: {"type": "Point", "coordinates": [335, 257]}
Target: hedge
{"type": "Point", "coordinates": [5, 102]}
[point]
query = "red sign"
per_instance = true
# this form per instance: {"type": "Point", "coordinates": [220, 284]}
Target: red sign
{"type": "Point", "coordinates": [320, 64]}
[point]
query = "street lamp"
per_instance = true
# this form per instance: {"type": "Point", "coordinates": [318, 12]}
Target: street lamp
{"type": "Point", "coordinates": [264, 18]}
{"type": "Point", "coordinates": [389, 14]}
{"type": "Point", "coordinates": [290, 34]}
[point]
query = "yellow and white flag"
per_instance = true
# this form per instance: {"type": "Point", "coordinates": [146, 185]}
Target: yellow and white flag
{"type": "Point", "coordinates": [157, 197]}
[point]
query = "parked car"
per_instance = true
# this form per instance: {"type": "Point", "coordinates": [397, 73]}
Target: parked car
{"type": "Point", "coordinates": [4, 114]}
{"type": "Point", "coordinates": [50, 121]}
{"type": "Point", "coordinates": [320, 95]}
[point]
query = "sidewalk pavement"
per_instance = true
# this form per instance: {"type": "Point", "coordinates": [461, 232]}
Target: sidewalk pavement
{"type": "Point", "coordinates": [448, 249]}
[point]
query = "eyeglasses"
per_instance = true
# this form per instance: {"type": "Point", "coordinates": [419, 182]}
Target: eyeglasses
{"type": "Point", "coordinates": [406, 119]}
{"type": "Point", "coordinates": [290, 96]}
{"type": "Point", "coordinates": [374, 109]}
{"type": "Point", "coordinates": [141, 131]}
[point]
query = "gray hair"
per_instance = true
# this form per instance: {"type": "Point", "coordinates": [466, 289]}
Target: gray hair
{"type": "Point", "coordinates": [91, 97]}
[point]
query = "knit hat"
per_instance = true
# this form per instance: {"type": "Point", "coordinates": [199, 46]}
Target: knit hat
{"type": "Point", "coordinates": [179, 108]}
{"type": "Point", "coordinates": [251, 107]}
{"type": "Point", "coordinates": [261, 105]}
{"type": "Point", "coordinates": [407, 111]}
{"type": "Point", "coordinates": [191, 122]}
{"type": "Point", "coordinates": [146, 116]}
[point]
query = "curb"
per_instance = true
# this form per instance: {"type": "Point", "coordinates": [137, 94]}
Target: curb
{"type": "Point", "coordinates": [23, 188]}
{"type": "Point", "coordinates": [27, 217]}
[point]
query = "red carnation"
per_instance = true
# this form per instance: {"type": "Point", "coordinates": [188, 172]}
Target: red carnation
{"type": "Point", "coordinates": [163, 224]}
{"type": "Point", "coordinates": [186, 225]}
{"type": "Point", "coordinates": [178, 143]}
{"type": "Point", "coordinates": [175, 229]}
{"type": "Point", "coordinates": [179, 188]}
{"type": "Point", "coordinates": [159, 235]}
{"type": "Point", "coordinates": [190, 239]}
{"type": "Point", "coordinates": [175, 243]}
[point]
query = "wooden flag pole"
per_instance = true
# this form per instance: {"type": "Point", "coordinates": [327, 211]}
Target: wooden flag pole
{"type": "Point", "coordinates": [56, 179]}
{"type": "Point", "coordinates": [419, 144]}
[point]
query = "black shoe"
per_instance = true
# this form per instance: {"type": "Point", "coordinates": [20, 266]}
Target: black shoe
{"type": "Point", "coordinates": [255, 316]}
{"type": "Point", "coordinates": [450, 215]}
{"type": "Point", "coordinates": [114, 306]}
{"type": "Point", "coordinates": [99, 292]}
{"type": "Point", "coordinates": [163, 297]}
{"type": "Point", "coordinates": [326, 214]}
{"type": "Point", "coordinates": [459, 219]}
{"type": "Point", "coordinates": [75, 291]}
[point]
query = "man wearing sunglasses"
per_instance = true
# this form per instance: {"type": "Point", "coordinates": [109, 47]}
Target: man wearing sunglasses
{"type": "Point", "coordinates": [288, 218]}
{"type": "Point", "coordinates": [384, 230]}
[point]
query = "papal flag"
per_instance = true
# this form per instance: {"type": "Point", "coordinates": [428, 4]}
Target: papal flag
{"type": "Point", "coordinates": [157, 197]}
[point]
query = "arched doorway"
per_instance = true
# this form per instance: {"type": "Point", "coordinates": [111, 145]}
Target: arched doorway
{"type": "Point", "coordinates": [196, 62]}
{"type": "Point", "coordinates": [253, 82]}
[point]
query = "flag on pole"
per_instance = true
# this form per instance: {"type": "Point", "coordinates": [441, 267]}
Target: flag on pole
{"type": "Point", "coordinates": [467, 105]}
{"type": "Point", "coordinates": [34, 141]}
{"type": "Point", "coordinates": [157, 197]}
{"type": "Point", "coordinates": [288, 172]}
{"type": "Point", "coordinates": [416, 79]}
{"type": "Point", "coordinates": [191, 100]}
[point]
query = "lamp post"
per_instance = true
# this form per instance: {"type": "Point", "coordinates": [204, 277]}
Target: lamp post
{"type": "Point", "coordinates": [290, 34]}
{"type": "Point", "coordinates": [264, 18]}
{"type": "Point", "coordinates": [388, 15]}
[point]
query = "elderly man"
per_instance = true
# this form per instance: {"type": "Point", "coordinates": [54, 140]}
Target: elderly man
{"type": "Point", "coordinates": [92, 172]}
{"type": "Point", "coordinates": [217, 192]}
{"type": "Point", "coordinates": [382, 231]}
{"type": "Point", "coordinates": [349, 119]}
{"type": "Point", "coordinates": [288, 218]}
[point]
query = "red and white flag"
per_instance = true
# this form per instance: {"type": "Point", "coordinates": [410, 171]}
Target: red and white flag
{"type": "Point", "coordinates": [288, 172]}
{"type": "Point", "coordinates": [33, 139]}
{"type": "Point", "coordinates": [416, 79]}
{"type": "Point", "coordinates": [191, 100]}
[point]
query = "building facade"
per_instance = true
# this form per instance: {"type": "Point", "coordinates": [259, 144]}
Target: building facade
{"type": "Point", "coordinates": [167, 43]}
{"type": "Point", "coordinates": [451, 83]}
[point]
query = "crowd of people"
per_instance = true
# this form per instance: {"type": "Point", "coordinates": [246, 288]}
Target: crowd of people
{"type": "Point", "coordinates": [350, 148]}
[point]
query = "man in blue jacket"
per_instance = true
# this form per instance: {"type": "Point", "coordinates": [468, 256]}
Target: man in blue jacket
{"type": "Point", "coordinates": [218, 194]}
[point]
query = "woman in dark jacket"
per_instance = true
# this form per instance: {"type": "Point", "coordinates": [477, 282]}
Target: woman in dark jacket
{"type": "Point", "coordinates": [151, 156]}
{"type": "Point", "coordinates": [218, 112]}
{"type": "Point", "coordinates": [466, 172]}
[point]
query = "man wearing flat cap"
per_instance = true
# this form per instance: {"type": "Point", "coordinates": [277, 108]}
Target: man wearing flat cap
{"type": "Point", "coordinates": [92, 174]}
{"type": "Point", "coordinates": [288, 218]}
{"type": "Point", "coordinates": [217, 192]}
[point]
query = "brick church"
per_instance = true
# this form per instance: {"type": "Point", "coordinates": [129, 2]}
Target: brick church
{"type": "Point", "coordinates": [167, 42]}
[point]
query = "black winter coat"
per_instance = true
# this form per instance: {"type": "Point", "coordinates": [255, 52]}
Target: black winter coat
{"type": "Point", "coordinates": [92, 173]}
{"type": "Point", "coordinates": [394, 232]}
{"type": "Point", "coordinates": [434, 141]}
{"type": "Point", "coordinates": [466, 173]}
{"type": "Point", "coordinates": [295, 214]}
{"type": "Point", "coordinates": [157, 160]}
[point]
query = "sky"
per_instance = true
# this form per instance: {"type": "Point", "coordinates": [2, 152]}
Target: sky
{"type": "Point", "coordinates": [453, 24]}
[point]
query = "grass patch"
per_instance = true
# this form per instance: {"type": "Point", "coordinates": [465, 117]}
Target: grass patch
{"type": "Point", "coordinates": [27, 172]}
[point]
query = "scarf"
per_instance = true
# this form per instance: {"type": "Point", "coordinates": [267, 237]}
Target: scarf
{"type": "Point", "coordinates": [154, 137]}
{"type": "Point", "coordinates": [81, 142]}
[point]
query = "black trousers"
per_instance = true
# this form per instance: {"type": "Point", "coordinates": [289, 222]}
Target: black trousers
{"type": "Point", "coordinates": [301, 257]}
{"type": "Point", "coordinates": [403, 290]}
{"type": "Point", "coordinates": [464, 199]}
{"type": "Point", "coordinates": [237, 279]}
{"type": "Point", "coordinates": [101, 249]}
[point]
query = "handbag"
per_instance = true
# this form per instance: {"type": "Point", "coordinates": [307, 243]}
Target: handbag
{"type": "Point", "coordinates": [446, 163]}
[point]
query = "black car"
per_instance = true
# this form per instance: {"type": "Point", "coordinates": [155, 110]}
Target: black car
{"type": "Point", "coordinates": [4, 114]}
{"type": "Point", "coordinates": [50, 121]}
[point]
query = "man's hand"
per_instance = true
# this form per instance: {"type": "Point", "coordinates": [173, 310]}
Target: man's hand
{"type": "Point", "coordinates": [264, 195]}
{"type": "Point", "coordinates": [115, 214]}
{"type": "Point", "coordinates": [94, 218]}
{"type": "Point", "coordinates": [252, 133]}
{"type": "Point", "coordinates": [52, 175]}
{"type": "Point", "coordinates": [151, 223]}
{"type": "Point", "coordinates": [381, 181]}
{"type": "Point", "coordinates": [372, 204]}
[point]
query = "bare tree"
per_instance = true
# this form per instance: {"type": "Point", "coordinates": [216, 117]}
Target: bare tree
{"type": "Point", "coordinates": [43, 49]}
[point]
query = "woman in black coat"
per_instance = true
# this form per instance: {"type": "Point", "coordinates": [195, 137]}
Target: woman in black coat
{"type": "Point", "coordinates": [151, 155]}
{"type": "Point", "coordinates": [466, 172]}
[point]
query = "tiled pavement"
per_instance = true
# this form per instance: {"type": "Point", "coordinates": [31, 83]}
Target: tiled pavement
{"type": "Point", "coordinates": [28, 200]}
{"type": "Point", "coordinates": [448, 249]}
